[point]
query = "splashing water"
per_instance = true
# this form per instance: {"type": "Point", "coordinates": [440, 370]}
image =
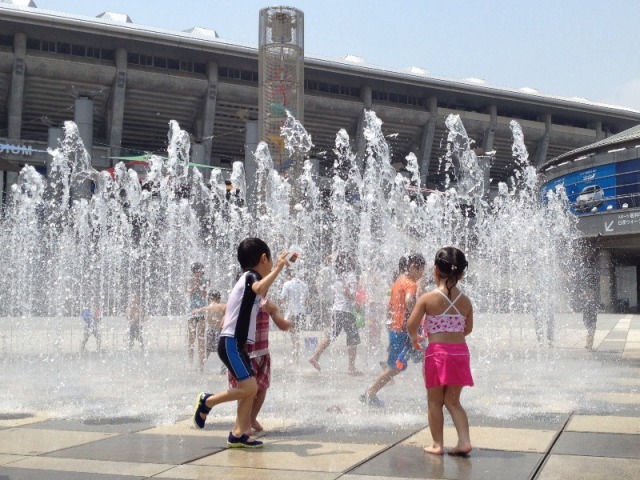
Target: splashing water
{"type": "Point", "coordinates": [67, 248]}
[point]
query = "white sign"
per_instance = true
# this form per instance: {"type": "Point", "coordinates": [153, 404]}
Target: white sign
{"type": "Point", "coordinates": [16, 149]}
{"type": "Point", "coordinates": [631, 218]}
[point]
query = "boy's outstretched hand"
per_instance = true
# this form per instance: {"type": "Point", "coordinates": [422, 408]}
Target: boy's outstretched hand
{"type": "Point", "coordinates": [282, 260]}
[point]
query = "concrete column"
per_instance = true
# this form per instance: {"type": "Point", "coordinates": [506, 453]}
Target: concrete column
{"type": "Point", "coordinates": [588, 286]}
{"type": "Point", "coordinates": [209, 110]}
{"type": "Point", "coordinates": [360, 141]}
{"type": "Point", "coordinates": [543, 143]}
{"type": "Point", "coordinates": [16, 91]}
{"type": "Point", "coordinates": [198, 153]}
{"type": "Point", "coordinates": [597, 126]}
{"type": "Point", "coordinates": [3, 189]}
{"type": "Point", "coordinates": [116, 107]}
{"type": "Point", "coordinates": [367, 97]}
{"type": "Point", "coordinates": [250, 144]}
{"type": "Point", "coordinates": [11, 179]}
{"type": "Point", "coordinates": [53, 137]}
{"type": "Point", "coordinates": [607, 280]}
{"type": "Point", "coordinates": [426, 141]}
{"type": "Point", "coordinates": [489, 136]}
{"type": "Point", "coordinates": [83, 118]}
{"type": "Point", "coordinates": [487, 146]}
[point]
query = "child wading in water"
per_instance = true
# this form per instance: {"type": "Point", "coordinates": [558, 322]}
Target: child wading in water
{"type": "Point", "coordinates": [344, 287]}
{"type": "Point", "coordinates": [215, 317]}
{"type": "Point", "coordinates": [401, 302]}
{"type": "Point", "coordinates": [261, 358]}
{"type": "Point", "coordinates": [448, 319]}
{"type": "Point", "coordinates": [238, 330]}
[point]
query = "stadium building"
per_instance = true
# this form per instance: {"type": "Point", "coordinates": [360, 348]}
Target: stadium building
{"type": "Point", "coordinates": [136, 78]}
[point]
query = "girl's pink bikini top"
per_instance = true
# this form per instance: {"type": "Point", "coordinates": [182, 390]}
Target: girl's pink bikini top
{"type": "Point", "coordinates": [445, 322]}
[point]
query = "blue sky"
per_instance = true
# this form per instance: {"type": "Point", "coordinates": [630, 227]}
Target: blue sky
{"type": "Point", "coordinates": [570, 48]}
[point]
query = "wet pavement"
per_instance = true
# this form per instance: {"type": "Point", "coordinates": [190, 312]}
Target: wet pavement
{"type": "Point", "coordinates": [599, 442]}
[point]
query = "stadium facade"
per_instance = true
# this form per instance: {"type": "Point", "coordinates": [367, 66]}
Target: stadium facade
{"type": "Point", "coordinates": [141, 77]}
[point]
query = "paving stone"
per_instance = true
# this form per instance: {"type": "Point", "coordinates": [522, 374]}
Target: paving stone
{"type": "Point", "coordinates": [199, 472]}
{"type": "Point", "coordinates": [598, 445]}
{"type": "Point", "coordinates": [412, 462]}
{"type": "Point", "coordinates": [296, 455]}
{"type": "Point", "coordinates": [142, 448]}
{"type": "Point", "coordinates": [106, 425]}
{"type": "Point", "coordinates": [86, 466]}
{"type": "Point", "coordinates": [571, 467]}
{"type": "Point", "coordinates": [507, 439]}
{"type": "Point", "coordinates": [7, 473]}
{"type": "Point", "coordinates": [18, 419]}
{"type": "Point", "coordinates": [24, 441]}
{"type": "Point", "coordinates": [604, 424]}
{"type": "Point", "coordinates": [366, 434]}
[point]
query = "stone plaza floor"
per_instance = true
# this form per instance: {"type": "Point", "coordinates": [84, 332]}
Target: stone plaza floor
{"type": "Point", "coordinates": [599, 439]}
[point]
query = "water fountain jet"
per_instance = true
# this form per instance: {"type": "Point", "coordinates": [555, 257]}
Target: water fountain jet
{"type": "Point", "coordinates": [64, 249]}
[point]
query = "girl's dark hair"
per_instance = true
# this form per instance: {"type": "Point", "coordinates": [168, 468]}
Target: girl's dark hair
{"type": "Point", "coordinates": [214, 295]}
{"type": "Point", "coordinates": [250, 251]}
{"type": "Point", "coordinates": [451, 264]}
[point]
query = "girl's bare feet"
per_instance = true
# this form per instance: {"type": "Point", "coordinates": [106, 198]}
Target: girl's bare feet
{"type": "Point", "coordinates": [434, 449]}
{"type": "Point", "coordinates": [461, 450]}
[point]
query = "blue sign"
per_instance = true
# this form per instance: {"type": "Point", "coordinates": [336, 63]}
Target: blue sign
{"type": "Point", "coordinates": [628, 183]}
{"type": "Point", "coordinates": [601, 188]}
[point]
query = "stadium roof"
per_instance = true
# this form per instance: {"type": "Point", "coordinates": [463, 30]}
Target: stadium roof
{"type": "Point", "coordinates": [619, 139]}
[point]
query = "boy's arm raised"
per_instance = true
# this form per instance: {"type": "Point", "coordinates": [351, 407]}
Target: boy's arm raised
{"type": "Point", "coordinates": [261, 287]}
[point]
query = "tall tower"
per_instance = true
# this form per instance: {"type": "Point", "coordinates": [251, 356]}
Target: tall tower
{"type": "Point", "coordinates": [281, 77]}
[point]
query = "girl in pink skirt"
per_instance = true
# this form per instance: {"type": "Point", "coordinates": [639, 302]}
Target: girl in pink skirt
{"type": "Point", "coordinates": [448, 319]}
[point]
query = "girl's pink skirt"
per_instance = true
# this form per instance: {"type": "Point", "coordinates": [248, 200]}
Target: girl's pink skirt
{"type": "Point", "coordinates": [447, 364]}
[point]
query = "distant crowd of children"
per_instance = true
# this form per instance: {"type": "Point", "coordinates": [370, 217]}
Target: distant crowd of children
{"type": "Point", "coordinates": [429, 327]}
{"type": "Point", "coordinates": [443, 317]}
{"type": "Point", "coordinates": [238, 331]}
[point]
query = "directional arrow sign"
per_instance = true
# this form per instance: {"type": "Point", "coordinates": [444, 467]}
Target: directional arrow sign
{"type": "Point", "coordinates": [608, 227]}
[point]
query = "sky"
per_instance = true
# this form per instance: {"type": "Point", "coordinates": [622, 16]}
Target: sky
{"type": "Point", "coordinates": [567, 48]}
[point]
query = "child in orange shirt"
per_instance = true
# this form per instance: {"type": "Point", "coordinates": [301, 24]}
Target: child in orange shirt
{"type": "Point", "coordinates": [401, 302]}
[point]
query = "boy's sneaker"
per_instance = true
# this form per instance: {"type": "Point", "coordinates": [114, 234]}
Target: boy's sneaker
{"type": "Point", "coordinates": [200, 407]}
{"type": "Point", "coordinates": [243, 441]}
{"type": "Point", "coordinates": [372, 401]}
